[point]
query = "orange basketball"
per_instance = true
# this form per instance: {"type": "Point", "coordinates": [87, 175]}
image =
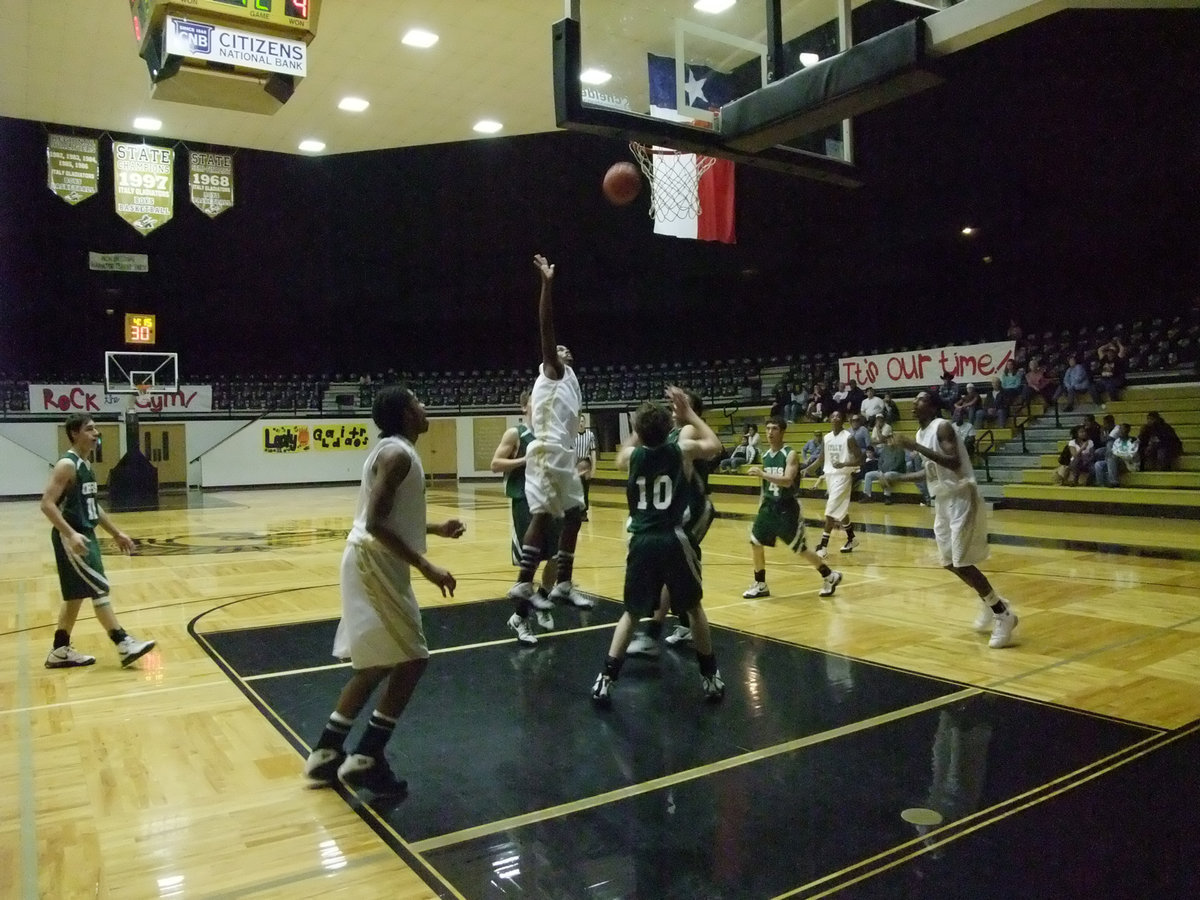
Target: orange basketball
{"type": "Point", "coordinates": [622, 183]}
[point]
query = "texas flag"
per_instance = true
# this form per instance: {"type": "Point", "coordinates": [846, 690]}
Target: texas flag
{"type": "Point", "coordinates": [712, 192]}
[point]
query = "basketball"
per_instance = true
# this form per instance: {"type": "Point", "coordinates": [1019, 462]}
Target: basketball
{"type": "Point", "coordinates": [622, 183]}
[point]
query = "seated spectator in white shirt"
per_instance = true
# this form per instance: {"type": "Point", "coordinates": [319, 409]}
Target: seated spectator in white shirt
{"type": "Point", "coordinates": [872, 406]}
{"type": "Point", "coordinates": [965, 430]}
{"type": "Point", "coordinates": [968, 404]}
{"type": "Point", "coordinates": [1121, 456]}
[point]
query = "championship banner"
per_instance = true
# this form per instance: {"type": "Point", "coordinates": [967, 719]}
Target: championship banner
{"type": "Point", "coordinates": [118, 262]}
{"type": "Point", "coordinates": [924, 368]}
{"type": "Point", "coordinates": [91, 398]}
{"type": "Point", "coordinates": [210, 182]}
{"type": "Point", "coordinates": [73, 167]}
{"type": "Point", "coordinates": [301, 439]}
{"type": "Point", "coordinates": [144, 184]}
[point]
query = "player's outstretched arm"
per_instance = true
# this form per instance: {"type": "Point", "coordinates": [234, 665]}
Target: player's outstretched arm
{"type": "Point", "coordinates": [553, 365]}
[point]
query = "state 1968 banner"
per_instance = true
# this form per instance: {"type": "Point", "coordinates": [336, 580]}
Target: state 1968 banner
{"type": "Point", "coordinates": [210, 182]}
{"type": "Point", "coordinates": [73, 167]}
{"type": "Point", "coordinates": [144, 184]}
{"type": "Point", "coordinates": [924, 368]}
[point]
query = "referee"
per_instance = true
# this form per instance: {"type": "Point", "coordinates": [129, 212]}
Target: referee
{"type": "Point", "coordinates": [585, 459]}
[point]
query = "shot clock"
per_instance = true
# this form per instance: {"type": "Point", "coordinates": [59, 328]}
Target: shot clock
{"type": "Point", "coordinates": [139, 328]}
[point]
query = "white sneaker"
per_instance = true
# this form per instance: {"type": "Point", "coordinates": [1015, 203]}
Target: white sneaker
{"type": "Point", "coordinates": [602, 690]}
{"type": "Point", "coordinates": [522, 630]}
{"type": "Point", "coordinates": [522, 590]}
{"type": "Point", "coordinates": [984, 621]}
{"type": "Point", "coordinates": [714, 688]}
{"type": "Point", "coordinates": [67, 658]}
{"type": "Point", "coordinates": [131, 649]}
{"type": "Point", "coordinates": [564, 592]}
{"type": "Point", "coordinates": [544, 619]}
{"type": "Point", "coordinates": [642, 645]}
{"type": "Point", "coordinates": [758, 589]}
{"type": "Point", "coordinates": [822, 552]}
{"type": "Point", "coordinates": [680, 635]}
{"type": "Point", "coordinates": [359, 771]}
{"type": "Point", "coordinates": [1002, 630]}
{"type": "Point", "coordinates": [850, 545]}
{"type": "Point", "coordinates": [829, 583]}
{"type": "Point", "coordinates": [323, 764]}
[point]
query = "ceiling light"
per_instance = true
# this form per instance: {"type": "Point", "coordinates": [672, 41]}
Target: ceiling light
{"type": "Point", "coordinates": [419, 37]}
{"type": "Point", "coordinates": [310, 146]}
{"type": "Point", "coordinates": [145, 123]}
{"type": "Point", "coordinates": [809, 59]}
{"type": "Point", "coordinates": [594, 76]}
{"type": "Point", "coordinates": [353, 104]}
{"type": "Point", "coordinates": [487, 126]}
{"type": "Point", "coordinates": [968, 230]}
{"type": "Point", "coordinates": [713, 6]}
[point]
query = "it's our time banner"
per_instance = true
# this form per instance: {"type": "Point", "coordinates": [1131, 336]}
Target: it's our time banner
{"type": "Point", "coordinates": [924, 368]}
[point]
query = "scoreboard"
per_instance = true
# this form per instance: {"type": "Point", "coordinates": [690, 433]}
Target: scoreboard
{"type": "Point", "coordinates": [288, 18]}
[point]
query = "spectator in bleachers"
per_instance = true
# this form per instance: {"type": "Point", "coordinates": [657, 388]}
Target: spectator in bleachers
{"type": "Point", "coordinates": [891, 412]}
{"type": "Point", "coordinates": [964, 428]}
{"type": "Point", "coordinates": [1121, 456]}
{"type": "Point", "coordinates": [811, 450]}
{"type": "Point", "coordinates": [1075, 381]}
{"type": "Point", "coordinates": [840, 396]}
{"type": "Point", "coordinates": [948, 393]}
{"type": "Point", "coordinates": [744, 454]}
{"type": "Point", "coordinates": [968, 404]}
{"type": "Point", "coordinates": [1077, 458]}
{"type": "Point", "coordinates": [797, 403]}
{"type": "Point", "coordinates": [889, 458]}
{"type": "Point", "coordinates": [1110, 380]}
{"type": "Point", "coordinates": [1012, 380]}
{"type": "Point", "coordinates": [872, 405]}
{"type": "Point", "coordinates": [989, 406]}
{"type": "Point", "coordinates": [860, 433]}
{"type": "Point", "coordinates": [854, 399]}
{"type": "Point", "coordinates": [819, 403]}
{"type": "Point", "coordinates": [1097, 435]}
{"type": "Point", "coordinates": [1158, 445]}
{"type": "Point", "coordinates": [780, 399]}
{"type": "Point", "coordinates": [1038, 383]}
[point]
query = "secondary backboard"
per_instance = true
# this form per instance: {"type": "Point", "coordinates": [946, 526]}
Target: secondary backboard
{"type": "Point", "coordinates": [140, 372]}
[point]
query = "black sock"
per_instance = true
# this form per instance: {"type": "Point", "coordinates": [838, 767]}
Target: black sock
{"type": "Point", "coordinates": [760, 575]}
{"type": "Point", "coordinates": [566, 565]}
{"type": "Point", "coordinates": [61, 638]}
{"type": "Point", "coordinates": [654, 630]}
{"type": "Point", "coordinates": [379, 729]}
{"type": "Point", "coordinates": [530, 555]}
{"type": "Point", "coordinates": [686, 622]}
{"type": "Point", "coordinates": [708, 664]}
{"type": "Point", "coordinates": [824, 570]}
{"type": "Point", "coordinates": [117, 635]}
{"type": "Point", "coordinates": [612, 667]}
{"type": "Point", "coordinates": [824, 540]}
{"type": "Point", "coordinates": [334, 735]}
{"type": "Point", "coordinates": [849, 532]}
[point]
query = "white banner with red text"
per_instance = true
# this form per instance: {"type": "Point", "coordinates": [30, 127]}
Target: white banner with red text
{"type": "Point", "coordinates": [92, 398]}
{"type": "Point", "coordinates": [924, 368]}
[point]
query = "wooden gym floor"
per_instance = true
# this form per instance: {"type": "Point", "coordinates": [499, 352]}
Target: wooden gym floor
{"type": "Point", "coordinates": [870, 745]}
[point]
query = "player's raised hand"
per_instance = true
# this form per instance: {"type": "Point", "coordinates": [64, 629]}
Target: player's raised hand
{"type": "Point", "coordinates": [546, 268]}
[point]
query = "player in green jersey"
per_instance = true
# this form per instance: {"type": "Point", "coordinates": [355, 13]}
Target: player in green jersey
{"type": "Point", "coordinates": [661, 555]}
{"type": "Point", "coordinates": [72, 504]}
{"type": "Point", "coordinates": [779, 515]}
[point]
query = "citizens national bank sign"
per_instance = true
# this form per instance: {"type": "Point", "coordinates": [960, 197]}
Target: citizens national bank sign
{"type": "Point", "coordinates": [231, 46]}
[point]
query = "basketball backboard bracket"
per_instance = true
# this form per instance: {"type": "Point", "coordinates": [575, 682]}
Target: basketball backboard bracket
{"type": "Point", "coordinates": [140, 372]}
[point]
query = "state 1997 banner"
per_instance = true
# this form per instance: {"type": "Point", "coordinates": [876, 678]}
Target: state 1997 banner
{"type": "Point", "coordinates": [144, 184]}
{"type": "Point", "coordinates": [924, 368]}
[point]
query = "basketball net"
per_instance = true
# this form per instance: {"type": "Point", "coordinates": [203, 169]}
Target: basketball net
{"type": "Point", "coordinates": [674, 178]}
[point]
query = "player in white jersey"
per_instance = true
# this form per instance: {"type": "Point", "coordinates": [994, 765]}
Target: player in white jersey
{"type": "Point", "coordinates": [380, 630]}
{"type": "Point", "coordinates": [552, 484]}
{"type": "Point", "coordinates": [959, 514]}
{"type": "Point", "coordinates": [841, 457]}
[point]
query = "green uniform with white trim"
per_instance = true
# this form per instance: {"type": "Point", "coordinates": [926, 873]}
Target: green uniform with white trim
{"type": "Point", "coordinates": [778, 516]}
{"type": "Point", "coordinates": [514, 489]}
{"type": "Point", "coordinates": [700, 511]}
{"type": "Point", "coordinates": [660, 552]}
{"type": "Point", "coordinates": [80, 576]}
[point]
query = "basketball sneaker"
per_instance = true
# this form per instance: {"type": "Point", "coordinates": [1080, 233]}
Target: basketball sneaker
{"type": "Point", "coordinates": [131, 649]}
{"type": "Point", "coordinates": [758, 589]}
{"type": "Point", "coordinates": [680, 635]}
{"type": "Point", "coordinates": [850, 545]}
{"type": "Point", "coordinates": [564, 592]}
{"type": "Point", "coordinates": [714, 687]}
{"type": "Point", "coordinates": [822, 551]}
{"type": "Point", "coordinates": [602, 691]}
{"type": "Point", "coordinates": [1002, 629]}
{"type": "Point", "coordinates": [544, 619]}
{"type": "Point", "coordinates": [984, 620]}
{"type": "Point", "coordinates": [522, 630]}
{"type": "Point", "coordinates": [360, 771]}
{"type": "Point", "coordinates": [643, 645]}
{"type": "Point", "coordinates": [67, 658]}
{"type": "Point", "coordinates": [522, 590]}
{"type": "Point", "coordinates": [323, 764]}
{"type": "Point", "coordinates": [830, 582]}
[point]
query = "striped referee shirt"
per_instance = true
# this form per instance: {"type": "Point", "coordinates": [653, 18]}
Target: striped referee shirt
{"type": "Point", "coordinates": [585, 445]}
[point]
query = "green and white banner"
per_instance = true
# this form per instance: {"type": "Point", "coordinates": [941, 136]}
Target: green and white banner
{"type": "Point", "coordinates": [144, 184]}
{"type": "Point", "coordinates": [118, 262]}
{"type": "Point", "coordinates": [210, 182]}
{"type": "Point", "coordinates": [73, 167]}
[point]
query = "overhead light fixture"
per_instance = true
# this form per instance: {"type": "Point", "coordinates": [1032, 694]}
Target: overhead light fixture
{"type": "Point", "coordinates": [353, 104]}
{"type": "Point", "coordinates": [594, 76]}
{"type": "Point", "coordinates": [713, 6]}
{"type": "Point", "coordinates": [809, 59]}
{"type": "Point", "coordinates": [312, 146]}
{"type": "Point", "coordinates": [968, 230]}
{"type": "Point", "coordinates": [419, 37]}
{"type": "Point", "coordinates": [145, 123]}
{"type": "Point", "coordinates": [487, 126]}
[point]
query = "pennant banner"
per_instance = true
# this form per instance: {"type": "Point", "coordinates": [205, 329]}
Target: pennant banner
{"type": "Point", "coordinates": [210, 182]}
{"type": "Point", "coordinates": [143, 184]}
{"type": "Point", "coordinates": [73, 167]}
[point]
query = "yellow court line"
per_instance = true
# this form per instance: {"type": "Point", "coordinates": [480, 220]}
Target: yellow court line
{"type": "Point", "coordinates": [552, 812]}
{"type": "Point", "coordinates": [985, 817]}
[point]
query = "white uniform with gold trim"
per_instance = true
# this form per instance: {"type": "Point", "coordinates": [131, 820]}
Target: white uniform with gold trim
{"type": "Point", "coordinates": [959, 513]}
{"type": "Point", "coordinates": [839, 483]}
{"type": "Point", "coordinates": [552, 482]}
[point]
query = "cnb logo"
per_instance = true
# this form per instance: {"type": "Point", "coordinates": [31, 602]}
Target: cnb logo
{"type": "Point", "coordinates": [198, 35]}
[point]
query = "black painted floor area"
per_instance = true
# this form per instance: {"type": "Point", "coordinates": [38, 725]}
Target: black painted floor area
{"type": "Point", "coordinates": [783, 787]}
